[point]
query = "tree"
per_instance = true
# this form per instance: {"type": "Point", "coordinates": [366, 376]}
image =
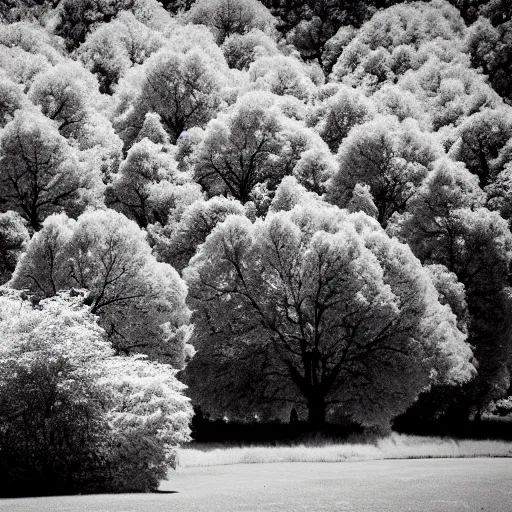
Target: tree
{"type": "Point", "coordinates": [255, 144]}
{"type": "Point", "coordinates": [24, 9]}
{"type": "Point", "coordinates": [319, 309]}
{"type": "Point", "coordinates": [484, 143]}
{"type": "Point", "coordinates": [315, 168]}
{"type": "Point", "coordinates": [27, 49]}
{"type": "Point", "coordinates": [21, 66]}
{"type": "Point", "coordinates": [51, 405]}
{"type": "Point", "coordinates": [371, 73]}
{"type": "Point", "coordinates": [289, 194]}
{"type": "Point", "coordinates": [437, 402]}
{"type": "Point", "coordinates": [40, 173]}
{"type": "Point", "coordinates": [339, 113]}
{"type": "Point", "coordinates": [177, 6]}
{"type": "Point", "coordinates": [65, 93]}
{"type": "Point", "coordinates": [447, 224]}
{"type": "Point", "coordinates": [104, 54]}
{"type": "Point", "coordinates": [115, 47]}
{"type": "Point", "coordinates": [13, 238]}
{"type": "Point", "coordinates": [32, 38]}
{"type": "Point", "coordinates": [447, 195]}
{"type": "Point", "coordinates": [310, 36]}
{"type": "Point", "coordinates": [391, 157]}
{"type": "Point", "coordinates": [499, 193]}
{"type": "Point", "coordinates": [390, 43]}
{"type": "Point", "coordinates": [468, 8]}
{"type": "Point", "coordinates": [149, 418]}
{"type": "Point", "coordinates": [11, 99]}
{"type": "Point", "coordinates": [240, 50]}
{"type": "Point", "coordinates": [184, 38]}
{"type": "Point", "coordinates": [100, 148]}
{"type": "Point", "coordinates": [451, 292]}
{"type": "Point", "coordinates": [282, 75]}
{"type": "Point", "coordinates": [69, 96]}
{"type": "Point", "coordinates": [176, 242]}
{"type": "Point", "coordinates": [392, 100]}
{"type": "Point", "coordinates": [335, 46]}
{"type": "Point", "coordinates": [488, 43]}
{"type": "Point", "coordinates": [183, 89]}
{"type": "Point", "coordinates": [153, 130]}
{"type": "Point", "coordinates": [77, 18]}
{"type": "Point", "coordinates": [496, 10]}
{"type": "Point", "coordinates": [312, 22]}
{"type": "Point", "coordinates": [149, 186]}
{"type": "Point", "coordinates": [228, 17]}
{"type": "Point", "coordinates": [237, 149]}
{"type": "Point", "coordinates": [362, 201]}
{"type": "Point", "coordinates": [447, 88]}
{"type": "Point", "coordinates": [140, 302]}
{"type": "Point", "coordinates": [73, 417]}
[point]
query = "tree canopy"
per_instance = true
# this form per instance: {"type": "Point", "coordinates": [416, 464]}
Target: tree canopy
{"type": "Point", "coordinates": [320, 309]}
{"type": "Point", "coordinates": [140, 302]}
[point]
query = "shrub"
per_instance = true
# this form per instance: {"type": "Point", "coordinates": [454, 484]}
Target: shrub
{"type": "Point", "coordinates": [74, 417]}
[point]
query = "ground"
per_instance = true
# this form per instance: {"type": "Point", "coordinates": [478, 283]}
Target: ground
{"type": "Point", "coordinates": [433, 485]}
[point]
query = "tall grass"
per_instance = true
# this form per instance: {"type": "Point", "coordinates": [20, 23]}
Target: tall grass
{"type": "Point", "coordinates": [395, 446]}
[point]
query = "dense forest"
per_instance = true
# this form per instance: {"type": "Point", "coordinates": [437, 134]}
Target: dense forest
{"type": "Point", "coordinates": [251, 210]}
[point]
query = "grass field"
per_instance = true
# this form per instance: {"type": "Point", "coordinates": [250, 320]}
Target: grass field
{"type": "Point", "coordinates": [395, 446]}
{"type": "Point", "coordinates": [449, 476]}
{"type": "Point", "coordinates": [428, 485]}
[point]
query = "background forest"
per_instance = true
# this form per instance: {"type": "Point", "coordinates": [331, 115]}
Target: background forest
{"type": "Point", "coordinates": [291, 205]}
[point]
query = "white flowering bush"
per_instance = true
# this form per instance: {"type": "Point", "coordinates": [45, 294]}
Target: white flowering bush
{"type": "Point", "coordinates": [148, 418]}
{"type": "Point", "coordinates": [74, 417]}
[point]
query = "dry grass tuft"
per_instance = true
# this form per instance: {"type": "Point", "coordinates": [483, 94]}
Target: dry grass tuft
{"type": "Point", "coordinates": [395, 446]}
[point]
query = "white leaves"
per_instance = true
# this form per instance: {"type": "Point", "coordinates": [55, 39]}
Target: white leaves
{"type": "Point", "coordinates": [177, 242]}
{"type": "Point", "coordinates": [107, 254]}
{"type": "Point", "coordinates": [391, 157]}
{"type": "Point", "coordinates": [148, 187]}
{"type": "Point", "coordinates": [126, 414]}
{"type": "Point", "coordinates": [13, 238]}
{"type": "Point", "coordinates": [315, 280]}
{"type": "Point", "coordinates": [246, 151]}
{"type": "Point", "coordinates": [41, 172]}
{"type": "Point", "coordinates": [147, 401]}
{"type": "Point", "coordinates": [282, 76]}
{"type": "Point", "coordinates": [227, 17]}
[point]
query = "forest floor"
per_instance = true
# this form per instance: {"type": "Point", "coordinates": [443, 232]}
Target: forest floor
{"type": "Point", "coordinates": [433, 485]}
{"type": "Point", "coordinates": [395, 446]}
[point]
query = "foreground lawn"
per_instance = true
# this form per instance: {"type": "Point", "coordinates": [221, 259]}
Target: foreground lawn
{"type": "Point", "coordinates": [434, 485]}
{"type": "Point", "coordinates": [393, 447]}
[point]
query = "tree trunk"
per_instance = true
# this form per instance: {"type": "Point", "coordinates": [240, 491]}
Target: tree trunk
{"type": "Point", "coordinates": [316, 412]}
{"type": "Point", "coordinates": [485, 171]}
